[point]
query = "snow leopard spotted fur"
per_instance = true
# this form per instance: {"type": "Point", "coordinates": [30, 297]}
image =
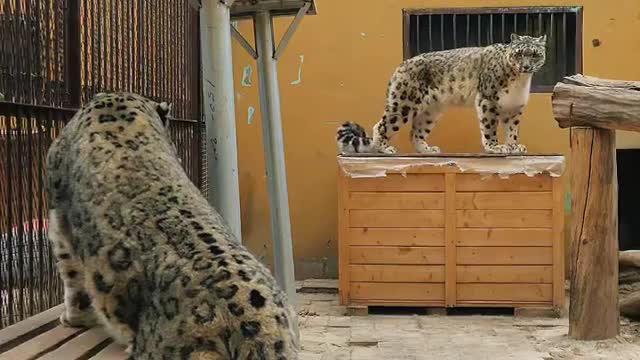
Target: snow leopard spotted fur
{"type": "Point", "coordinates": [495, 79]}
{"type": "Point", "coordinates": [140, 250]}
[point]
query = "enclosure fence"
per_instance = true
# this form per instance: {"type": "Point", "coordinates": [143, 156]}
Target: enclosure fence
{"type": "Point", "coordinates": [54, 56]}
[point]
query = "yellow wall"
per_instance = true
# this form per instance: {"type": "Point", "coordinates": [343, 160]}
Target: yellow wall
{"type": "Point", "coordinates": [350, 49]}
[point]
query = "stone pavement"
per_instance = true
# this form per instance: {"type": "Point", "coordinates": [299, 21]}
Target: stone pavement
{"type": "Point", "coordinates": [327, 334]}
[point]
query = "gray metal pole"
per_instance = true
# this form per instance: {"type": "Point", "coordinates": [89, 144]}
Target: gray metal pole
{"type": "Point", "coordinates": [219, 113]}
{"type": "Point", "coordinates": [274, 154]}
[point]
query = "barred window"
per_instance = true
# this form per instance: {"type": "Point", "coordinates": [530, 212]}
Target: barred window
{"type": "Point", "coordinates": [428, 30]}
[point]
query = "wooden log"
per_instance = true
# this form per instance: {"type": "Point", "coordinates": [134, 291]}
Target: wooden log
{"type": "Point", "coordinates": [588, 101]}
{"type": "Point", "coordinates": [593, 313]}
{"type": "Point", "coordinates": [628, 267]}
{"type": "Point", "coordinates": [629, 258]}
{"type": "Point", "coordinates": [630, 305]}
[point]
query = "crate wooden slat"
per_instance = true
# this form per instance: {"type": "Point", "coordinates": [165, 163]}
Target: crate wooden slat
{"type": "Point", "coordinates": [505, 292]}
{"type": "Point", "coordinates": [432, 235]}
{"type": "Point", "coordinates": [396, 218]}
{"type": "Point", "coordinates": [504, 237]}
{"type": "Point", "coordinates": [542, 274]}
{"type": "Point", "coordinates": [398, 291]}
{"type": "Point", "coordinates": [396, 255]}
{"type": "Point", "coordinates": [504, 256]}
{"type": "Point", "coordinates": [396, 237]}
{"type": "Point", "coordinates": [42, 337]}
{"type": "Point", "coordinates": [397, 273]}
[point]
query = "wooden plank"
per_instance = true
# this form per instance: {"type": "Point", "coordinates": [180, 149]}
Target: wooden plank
{"type": "Point", "coordinates": [344, 239]}
{"type": "Point", "coordinates": [79, 346]}
{"type": "Point", "coordinates": [503, 304]}
{"type": "Point", "coordinates": [397, 182]}
{"type": "Point", "coordinates": [396, 218]}
{"type": "Point", "coordinates": [41, 344]}
{"type": "Point", "coordinates": [505, 292]}
{"type": "Point", "coordinates": [396, 200]}
{"type": "Point", "coordinates": [519, 182]}
{"type": "Point", "coordinates": [29, 328]}
{"type": "Point", "coordinates": [450, 239]}
{"type": "Point", "coordinates": [505, 218]}
{"type": "Point", "coordinates": [505, 274]}
{"type": "Point", "coordinates": [504, 200]}
{"type": "Point", "coordinates": [396, 237]}
{"type": "Point", "coordinates": [504, 237]}
{"type": "Point", "coordinates": [397, 273]}
{"type": "Point", "coordinates": [505, 256]}
{"type": "Point", "coordinates": [396, 255]}
{"type": "Point", "coordinates": [112, 352]}
{"type": "Point", "coordinates": [558, 243]}
{"type": "Point", "coordinates": [400, 303]}
{"type": "Point", "coordinates": [396, 291]}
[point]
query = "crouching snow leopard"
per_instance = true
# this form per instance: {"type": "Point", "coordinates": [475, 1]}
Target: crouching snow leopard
{"type": "Point", "coordinates": [495, 79]}
{"type": "Point", "coordinates": [140, 250]}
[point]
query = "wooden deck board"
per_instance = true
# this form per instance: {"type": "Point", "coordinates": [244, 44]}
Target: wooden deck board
{"type": "Point", "coordinates": [112, 352]}
{"type": "Point", "coordinates": [42, 337]}
{"type": "Point", "coordinates": [29, 328]}
{"type": "Point", "coordinates": [41, 344]}
{"type": "Point", "coordinates": [80, 345]}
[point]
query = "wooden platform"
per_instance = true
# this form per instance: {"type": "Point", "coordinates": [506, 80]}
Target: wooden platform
{"type": "Point", "coordinates": [454, 231]}
{"type": "Point", "coordinates": [42, 337]}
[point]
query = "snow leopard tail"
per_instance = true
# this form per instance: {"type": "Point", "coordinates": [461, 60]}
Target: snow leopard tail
{"type": "Point", "coordinates": [352, 139]}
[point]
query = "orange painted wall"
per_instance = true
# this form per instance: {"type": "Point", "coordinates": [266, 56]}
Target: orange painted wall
{"type": "Point", "coordinates": [350, 49]}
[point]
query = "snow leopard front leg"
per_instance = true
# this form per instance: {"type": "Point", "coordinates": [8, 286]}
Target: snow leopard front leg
{"type": "Point", "coordinates": [511, 128]}
{"type": "Point", "coordinates": [78, 310]}
{"type": "Point", "coordinates": [488, 115]}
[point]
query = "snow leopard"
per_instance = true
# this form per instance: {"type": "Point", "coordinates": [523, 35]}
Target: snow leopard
{"type": "Point", "coordinates": [495, 79]}
{"type": "Point", "coordinates": [141, 251]}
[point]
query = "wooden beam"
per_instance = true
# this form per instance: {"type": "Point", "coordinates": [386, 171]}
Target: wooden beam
{"type": "Point", "coordinates": [587, 101]}
{"type": "Point", "coordinates": [593, 313]}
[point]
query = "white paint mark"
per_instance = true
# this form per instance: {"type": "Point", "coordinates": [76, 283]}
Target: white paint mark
{"type": "Point", "coordinates": [238, 96]}
{"type": "Point", "coordinates": [250, 113]}
{"type": "Point", "coordinates": [299, 80]}
{"type": "Point", "coordinates": [246, 76]}
{"type": "Point", "coordinates": [234, 23]}
{"type": "Point", "coordinates": [363, 34]}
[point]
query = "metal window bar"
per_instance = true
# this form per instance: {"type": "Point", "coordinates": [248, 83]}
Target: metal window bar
{"type": "Point", "coordinates": [562, 25]}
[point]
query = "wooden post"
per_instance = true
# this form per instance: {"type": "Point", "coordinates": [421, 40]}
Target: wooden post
{"type": "Point", "coordinates": [593, 313]}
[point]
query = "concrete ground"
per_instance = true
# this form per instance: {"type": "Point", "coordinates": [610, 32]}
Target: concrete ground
{"type": "Point", "coordinates": [326, 334]}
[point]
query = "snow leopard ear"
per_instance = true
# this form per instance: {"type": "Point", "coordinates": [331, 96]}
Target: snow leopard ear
{"type": "Point", "coordinates": [514, 37]}
{"type": "Point", "coordinates": [542, 39]}
{"type": "Point", "coordinates": [163, 109]}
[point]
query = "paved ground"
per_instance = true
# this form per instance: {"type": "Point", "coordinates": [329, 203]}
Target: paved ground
{"type": "Point", "coordinates": [327, 334]}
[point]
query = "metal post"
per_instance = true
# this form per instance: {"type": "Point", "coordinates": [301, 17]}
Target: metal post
{"type": "Point", "coordinates": [274, 154]}
{"type": "Point", "coordinates": [219, 113]}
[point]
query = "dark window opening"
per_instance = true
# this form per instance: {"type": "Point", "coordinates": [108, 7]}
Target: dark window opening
{"type": "Point", "coordinates": [427, 30]}
{"type": "Point", "coordinates": [628, 198]}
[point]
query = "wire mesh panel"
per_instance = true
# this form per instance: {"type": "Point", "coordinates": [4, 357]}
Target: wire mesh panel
{"type": "Point", "coordinates": [28, 279]}
{"type": "Point", "coordinates": [429, 30]}
{"type": "Point", "coordinates": [54, 56]}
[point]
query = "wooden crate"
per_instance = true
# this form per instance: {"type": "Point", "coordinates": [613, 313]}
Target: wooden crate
{"type": "Point", "coordinates": [435, 236]}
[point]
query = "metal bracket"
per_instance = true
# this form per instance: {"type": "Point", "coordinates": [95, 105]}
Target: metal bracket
{"type": "Point", "coordinates": [245, 44]}
{"type": "Point", "coordinates": [291, 30]}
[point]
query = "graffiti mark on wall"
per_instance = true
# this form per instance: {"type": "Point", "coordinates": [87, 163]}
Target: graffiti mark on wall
{"type": "Point", "coordinates": [299, 80]}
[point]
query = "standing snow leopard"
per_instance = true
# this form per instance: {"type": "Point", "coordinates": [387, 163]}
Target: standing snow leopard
{"type": "Point", "coordinates": [495, 79]}
{"type": "Point", "coordinates": [139, 248]}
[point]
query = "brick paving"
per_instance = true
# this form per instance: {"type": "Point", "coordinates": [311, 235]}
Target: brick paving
{"type": "Point", "coordinates": [327, 334]}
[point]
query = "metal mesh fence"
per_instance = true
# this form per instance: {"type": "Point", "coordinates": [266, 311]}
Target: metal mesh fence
{"type": "Point", "coordinates": [54, 56]}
